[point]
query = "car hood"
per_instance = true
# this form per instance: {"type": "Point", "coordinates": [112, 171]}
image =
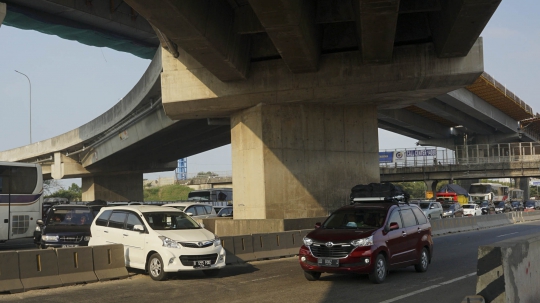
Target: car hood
{"type": "Point", "coordinates": [187, 234]}
{"type": "Point", "coordinates": [339, 235]}
{"type": "Point", "coordinates": [61, 229]}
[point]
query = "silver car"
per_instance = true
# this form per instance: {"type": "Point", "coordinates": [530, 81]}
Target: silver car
{"type": "Point", "coordinates": [431, 209]}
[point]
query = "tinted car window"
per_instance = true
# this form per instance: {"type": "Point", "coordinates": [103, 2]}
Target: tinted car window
{"type": "Point", "coordinates": [408, 217]}
{"type": "Point", "coordinates": [117, 219]}
{"type": "Point", "coordinates": [201, 210]}
{"type": "Point", "coordinates": [133, 220]}
{"type": "Point", "coordinates": [173, 220]}
{"type": "Point", "coordinates": [419, 216]}
{"type": "Point", "coordinates": [395, 217]}
{"type": "Point", "coordinates": [355, 218]}
{"type": "Point", "coordinates": [191, 210]}
{"type": "Point", "coordinates": [103, 218]}
{"type": "Point", "coordinates": [208, 209]}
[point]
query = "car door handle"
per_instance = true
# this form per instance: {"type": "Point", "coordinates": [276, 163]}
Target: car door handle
{"type": "Point", "coordinates": [403, 234]}
{"type": "Point", "coordinates": [105, 231]}
{"type": "Point", "coordinates": [419, 229]}
{"type": "Point", "coordinates": [125, 235]}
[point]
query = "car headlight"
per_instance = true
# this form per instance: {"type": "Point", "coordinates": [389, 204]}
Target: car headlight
{"type": "Point", "coordinates": [217, 241]}
{"type": "Point", "coordinates": [168, 242]}
{"type": "Point", "coordinates": [38, 228]}
{"type": "Point", "coordinates": [87, 238]}
{"type": "Point", "coordinates": [363, 242]}
{"type": "Point", "coordinates": [307, 241]}
{"type": "Point", "coordinates": [50, 238]}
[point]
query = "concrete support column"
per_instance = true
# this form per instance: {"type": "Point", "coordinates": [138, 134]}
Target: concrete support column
{"type": "Point", "coordinates": [466, 183]}
{"type": "Point", "coordinates": [298, 161]}
{"type": "Point", "coordinates": [523, 184]}
{"type": "Point", "coordinates": [431, 188]}
{"type": "Point", "coordinates": [3, 11]}
{"type": "Point", "coordinates": [125, 187]}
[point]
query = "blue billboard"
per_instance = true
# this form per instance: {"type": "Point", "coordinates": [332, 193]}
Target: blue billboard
{"type": "Point", "coordinates": [386, 157]}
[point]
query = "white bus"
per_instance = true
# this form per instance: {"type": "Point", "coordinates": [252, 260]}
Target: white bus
{"type": "Point", "coordinates": [21, 199]}
{"type": "Point", "coordinates": [491, 192]}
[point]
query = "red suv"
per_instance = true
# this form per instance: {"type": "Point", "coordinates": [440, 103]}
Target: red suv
{"type": "Point", "coordinates": [371, 236]}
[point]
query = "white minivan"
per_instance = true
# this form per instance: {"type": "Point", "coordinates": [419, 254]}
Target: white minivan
{"type": "Point", "coordinates": [159, 240]}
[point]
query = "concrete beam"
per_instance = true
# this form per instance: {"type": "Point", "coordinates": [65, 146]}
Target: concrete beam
{"type": "Point", "coordinates": [400, 130]}
{"type": "Point", "coordinates": [446, 111]}
{"type": "Point", "coordinates": [414, 122]}
{"type": "Point", "coordinates": [191, 91]}
{"type": "Point", "coordinates": [205, 30]}
{"type": "Point", "coordinates": [458, 24]}
{"type": "Point", "coordinates": [290, 24]}
{"type": "Point", "coordinates": [66, 166]}
{"type": "Point", "coordinates": [376, 22]}
{"type": "Point", "coordinates": [465, 101]}
{"type": "Point", "coordinates": [126, 187]}
{"type": "Point", "coordinates": [417, 6]}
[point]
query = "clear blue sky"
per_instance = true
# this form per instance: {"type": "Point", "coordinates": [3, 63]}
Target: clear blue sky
{"type": "Point", "coordinates": [74, 83]}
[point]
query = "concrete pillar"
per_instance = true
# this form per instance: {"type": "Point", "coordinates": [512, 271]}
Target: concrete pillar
{"type": "Point", "coordinates": [125, 187]}
{"type": "Point", "coordinates": [466, 183]}
{"type": "Point", "coordinates": [3, 11]}
{"type": "Point", "coordinates": [523, 184]}
{"type": "Point", "coordinates": [298, 161]}
{"type": "Point", "coordinates": [431, 188]}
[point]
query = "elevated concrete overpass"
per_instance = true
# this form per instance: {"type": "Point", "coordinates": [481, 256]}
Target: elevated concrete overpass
{"type": "Point", "coordinates": [301, 82]}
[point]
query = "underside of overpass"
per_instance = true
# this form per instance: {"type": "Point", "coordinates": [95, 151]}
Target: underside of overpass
{"type": "Point", "coordinates": [304, 83]}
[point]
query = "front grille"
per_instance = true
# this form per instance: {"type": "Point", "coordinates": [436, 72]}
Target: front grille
{"type": "Point", "coordinates": [70, 238]}
{"type": "Point", "coordinates": [196, 244]}
{"type": "Point", "coordinates": [188, 260]}
{"type": "Point", "coordinates": [320, 250]}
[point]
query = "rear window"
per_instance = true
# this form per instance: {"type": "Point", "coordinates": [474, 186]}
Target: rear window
{"type": "Point", "coordinates": [419, 215]}
{"type": "Point", "coordinates": [103, 218]}
{"type": "Point", "coordinates": [408, 217]}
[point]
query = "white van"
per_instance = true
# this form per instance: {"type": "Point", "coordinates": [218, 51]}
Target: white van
{"type": "Point", "coordinates": [159, 240]}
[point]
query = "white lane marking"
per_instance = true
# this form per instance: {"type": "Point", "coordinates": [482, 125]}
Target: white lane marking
{"type": "Point", "coordinates": [507, 234]}
{"type": "Point", "coordinates": [261, 279]}
{"type": "Point", "coordinates": [429, 288]}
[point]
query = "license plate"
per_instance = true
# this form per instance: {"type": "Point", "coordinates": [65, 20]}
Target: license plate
{"type": "Point", "coordinates": [328, 262]}
{"type": "Point", "coordinates": [205, 263]}
{"type": "Point", "coordinates": [70, 245]}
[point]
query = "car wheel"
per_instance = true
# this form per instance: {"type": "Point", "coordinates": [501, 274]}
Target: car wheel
{"type": "Point", "coordinates": [312, 275]}
{"type": "Point", "coordinates": [211, 272]}
{"type": "Point", "coordinates": [155, 268]}
{"type": "Point", "coordinates": [424, 261]}
{"type": "Point", "coordinates": [378, 275]}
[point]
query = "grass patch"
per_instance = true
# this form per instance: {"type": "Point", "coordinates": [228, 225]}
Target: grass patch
{"type": "Point", "coordinates": [166, 193]}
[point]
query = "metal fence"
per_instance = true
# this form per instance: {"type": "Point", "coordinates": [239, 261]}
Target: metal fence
{"type": "Point", "coordinates": [462, 154]}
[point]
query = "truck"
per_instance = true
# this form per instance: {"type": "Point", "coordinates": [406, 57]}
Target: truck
{"type": "Point", "coordinates": [452, 193]}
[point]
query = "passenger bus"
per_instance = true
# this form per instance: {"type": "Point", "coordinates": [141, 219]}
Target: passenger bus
{"type": "Point", "coordinates": [491, 192]}
{"type": "Point", "coordinates": [515, 195]}
{"type": "Point", "coordinates": [21, 199]}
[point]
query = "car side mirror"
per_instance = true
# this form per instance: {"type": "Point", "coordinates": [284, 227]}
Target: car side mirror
{"type": "Point", "coordinates": [138, 228]}
{"type": "Point", "coordinates": [189, 214]}
{"type": "Point", "coordinates": [39, 222]}
{"type": "Point", "coordinates": [318, 224]}
{"type": "Point", "coordinates": [394, 226]}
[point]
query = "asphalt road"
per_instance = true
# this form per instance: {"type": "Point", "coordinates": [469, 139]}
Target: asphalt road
{"type": "Point", "coordinates": [450, 277]}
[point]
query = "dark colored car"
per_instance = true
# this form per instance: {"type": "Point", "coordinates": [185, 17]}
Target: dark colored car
{"type": "Point", "coordinates": [517, 205]}
{"type": "Point", "coordinates": [532, 205]}
{"type": "Point", "coordinates": [452, 210]}
{"type": "Point", "coordinates": [368, 238]}
{"type": "Point", "coordinates": [503, 207]}
{"type": "Point", "coordinates": [66, 225]}
{"type": "Point", "coordinates": [488, 208]}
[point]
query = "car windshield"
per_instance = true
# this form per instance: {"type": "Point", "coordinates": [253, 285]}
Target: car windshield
{"type": "Point", "coordinates": [468, 206]}
{"type": "Point", "coordinates": [355, 219]}
{"type": "Point", "coordinates": [170, 221]}
{"type": "Point", "coordinates": [515, 203]}
{"type": "Point", "coordinates": [448, 206]}
{"type": "Point", "coordinates": [501, 204]}
{"type": "Point", "coordinates": [484, 204]}
{"type": "Point", "coordinates": [74, 216]}
{"type": "Point", "coordinates": [424, 205]}
{"type": "Point", "coordinates": [529, 203]}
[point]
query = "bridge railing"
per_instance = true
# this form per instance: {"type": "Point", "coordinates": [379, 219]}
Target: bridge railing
{"type": "Point", "coordinates": [460, 155]}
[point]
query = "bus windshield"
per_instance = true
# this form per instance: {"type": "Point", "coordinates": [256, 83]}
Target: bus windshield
{"type": "Point", "coordinates": [479, 189]}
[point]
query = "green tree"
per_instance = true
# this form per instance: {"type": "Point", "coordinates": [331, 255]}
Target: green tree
{"type": "Point", "coordinates": [73, 193]}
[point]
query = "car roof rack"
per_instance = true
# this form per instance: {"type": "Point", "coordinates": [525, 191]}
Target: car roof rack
{"type": "Point", "coordinates": [396, 199]}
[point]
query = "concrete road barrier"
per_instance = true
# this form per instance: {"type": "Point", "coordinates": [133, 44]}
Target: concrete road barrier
{"type": "Point", "coordinates": [10, 280]}
{"type": "Point", "coordinates": [508, 271]}
{"type": "Point", "coordinates": [109, 262]}
{"type": "Point", "coordinates": [38, 269]}
{"type": "Point", "coordinates": [297, 242]}
{"type": "Point", "coordinates": [243, 248]}
{"type": "Point", "coordinates": [264, 246]}
{"type": "Point", "coordinates": [228, 245]}
{"type": "Point", "coordinates": [76, 265]}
